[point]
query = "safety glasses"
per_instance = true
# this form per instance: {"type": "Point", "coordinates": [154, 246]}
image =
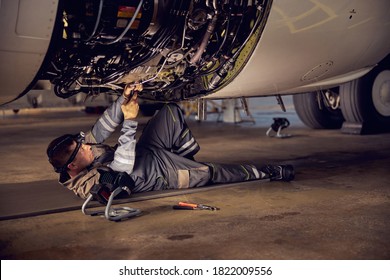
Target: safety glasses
{"type": "Point", "coordinates": [78, 138]}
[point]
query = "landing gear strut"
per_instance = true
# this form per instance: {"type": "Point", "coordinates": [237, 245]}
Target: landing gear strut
{"type": "Point", "coordinates": [319, 110]}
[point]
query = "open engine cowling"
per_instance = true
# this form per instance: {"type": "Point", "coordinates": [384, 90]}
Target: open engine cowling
{"type": "Point", "coordinates": [177, 49]}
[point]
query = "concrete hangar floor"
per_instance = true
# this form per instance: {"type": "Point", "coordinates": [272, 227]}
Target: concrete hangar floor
{"type": "Point", "coordinates": [338, 207]}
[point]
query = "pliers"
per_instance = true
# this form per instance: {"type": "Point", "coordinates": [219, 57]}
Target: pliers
{"type": "Point", "coordinates": [193, 206]}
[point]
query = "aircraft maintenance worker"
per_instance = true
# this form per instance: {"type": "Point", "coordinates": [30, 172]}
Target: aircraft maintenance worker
{"type": "Point", "coordinates": [161, 159]}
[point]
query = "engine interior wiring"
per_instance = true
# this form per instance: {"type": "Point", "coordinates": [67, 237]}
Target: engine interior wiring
{"type": "Point", "coordinates": [178, 49]}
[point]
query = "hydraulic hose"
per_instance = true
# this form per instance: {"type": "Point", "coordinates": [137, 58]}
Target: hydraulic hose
{"type": "Point", "coordinates": [206, 37]}
{"type": "Point", "coordinates": [128, 25]}
{"type": "Point", "coordinates": [97, 21]}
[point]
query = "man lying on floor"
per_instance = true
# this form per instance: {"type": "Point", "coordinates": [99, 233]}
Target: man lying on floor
{"type": "Point", "coordinates": [163, 157]}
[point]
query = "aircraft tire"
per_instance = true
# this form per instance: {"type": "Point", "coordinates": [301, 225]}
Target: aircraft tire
{"type": "Point", "coordinates": [308, 110]}
{"type": "Point", "coordinates": [366, 101]}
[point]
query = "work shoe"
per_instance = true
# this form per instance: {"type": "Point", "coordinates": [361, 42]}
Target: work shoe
{"type": "Point", "coordinates": [279, 172]}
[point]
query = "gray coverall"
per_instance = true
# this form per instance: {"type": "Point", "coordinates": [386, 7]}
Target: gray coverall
{"type": "Point", "coordinates": [162, 158]}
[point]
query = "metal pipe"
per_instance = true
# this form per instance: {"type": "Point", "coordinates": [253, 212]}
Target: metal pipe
{"type": "Point", "coordinates": [97, 20]}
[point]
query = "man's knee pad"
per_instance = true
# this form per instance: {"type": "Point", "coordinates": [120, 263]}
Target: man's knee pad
{"type": "Point", "coordinates": [109, 181]}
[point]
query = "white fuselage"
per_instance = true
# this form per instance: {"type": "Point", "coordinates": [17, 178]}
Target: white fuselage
{"type": "Point", "coordinates": [310, 45]}
{"type": "Point", "coordinates": [306, 45]}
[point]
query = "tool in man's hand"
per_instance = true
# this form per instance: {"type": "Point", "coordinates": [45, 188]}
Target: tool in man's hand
{"type": "Point", "coordinates": [129, 91]}
{"type": "Point", "coordinates": [193, 206]}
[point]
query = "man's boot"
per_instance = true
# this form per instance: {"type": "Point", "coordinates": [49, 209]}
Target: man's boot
{"type": "Point", "coordinates": [279, 172]}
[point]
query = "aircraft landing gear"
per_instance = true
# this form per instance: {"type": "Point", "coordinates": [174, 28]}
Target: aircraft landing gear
{"type": "Point", "coordinates": [319, 110]}
{"type": "Point", "coordinates": [365, 103]}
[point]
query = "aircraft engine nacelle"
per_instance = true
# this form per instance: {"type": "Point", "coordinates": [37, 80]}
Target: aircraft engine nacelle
{"type": "Point", "coordinates": [188, 49]}
{"type": "Point", "coordinates": [177, 49]}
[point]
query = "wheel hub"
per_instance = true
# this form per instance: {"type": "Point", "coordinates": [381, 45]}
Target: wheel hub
{"type": "Point", "coordinates": [333, 99]}
{"type": "Point", "coordinates": [381, 93]}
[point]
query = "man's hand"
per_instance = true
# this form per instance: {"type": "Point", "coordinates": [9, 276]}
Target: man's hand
{"type": "Point", "coordinates": [129, 91]}
{"type": "Point", "coordinates": [130, 105]}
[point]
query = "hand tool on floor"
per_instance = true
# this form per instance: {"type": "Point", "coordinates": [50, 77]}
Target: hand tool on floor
{"type": "Point", "coordinates": [193, 206]}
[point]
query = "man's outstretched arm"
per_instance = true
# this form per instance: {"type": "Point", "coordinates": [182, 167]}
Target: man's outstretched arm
{"type": "Point", "coordinates": [107, 122]}
{"type": "Point", "coordinates": [125, 153]}
{"type": "Point", "coordinates": [110, 119]}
